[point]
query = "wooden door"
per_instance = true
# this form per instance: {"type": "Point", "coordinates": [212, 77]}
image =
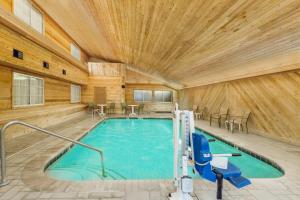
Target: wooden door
{"type": "Point", "coordinates": [100, 95]}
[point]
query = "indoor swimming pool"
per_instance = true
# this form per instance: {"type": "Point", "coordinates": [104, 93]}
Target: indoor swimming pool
{"type": "Point", "coordinates": [137, 149]}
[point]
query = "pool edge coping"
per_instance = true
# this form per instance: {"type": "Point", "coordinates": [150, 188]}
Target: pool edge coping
{"type": "Point", "coordinates": [249, 152]}
{"type": "Point", "coordinates": [35, 176]}
{"type": "Point", "coordinates": [41, 172]}
{"type": "Point", "coordinates": [243, 149]}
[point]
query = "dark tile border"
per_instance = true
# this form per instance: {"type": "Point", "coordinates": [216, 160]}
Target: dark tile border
{"type": "Point", "coordinates": [68, 148]}
{"type": "Point", "coordinates": [247, 151]}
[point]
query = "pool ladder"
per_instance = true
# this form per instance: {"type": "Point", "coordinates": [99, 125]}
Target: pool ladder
{"type": "Point", "coordinates": [3, 180]}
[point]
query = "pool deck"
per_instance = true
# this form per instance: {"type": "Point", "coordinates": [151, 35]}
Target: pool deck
{"type": "Point", "coordinates": [25, 170]}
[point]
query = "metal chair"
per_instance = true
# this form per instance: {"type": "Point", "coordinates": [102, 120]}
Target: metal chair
{"type": "Point", "coordinates": [241, 121]}
{"type": "Point", "coordinates": [141, 108]}
{"type": "Point", "coordinates": [111, 108]}
{"type": "Point", "coordinates": [90, 107]}
{"type": "Point", "coordinates": [195, 111]}
{"type": "Point", "coordinates": [202, 112]}
{"type": "Point", "coordinates": [223, 113]}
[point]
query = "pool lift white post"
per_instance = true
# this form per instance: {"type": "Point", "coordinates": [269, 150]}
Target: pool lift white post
{"type": "Point", "coordinates": [182, 181]}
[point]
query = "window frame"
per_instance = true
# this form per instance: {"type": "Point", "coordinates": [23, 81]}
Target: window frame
{"type": "Point", "coordinates": [71, 99]}
{"type": "Point", "coordinates": [143, 95]}
{"type": "Point", "coordinates": [32, 7]}
{"type": "Point", "coordinates": [13, 91]}
{"type": "Point", "coordinates": [163, 96]}
{"type": "Point", "coordinates": [72, 44]}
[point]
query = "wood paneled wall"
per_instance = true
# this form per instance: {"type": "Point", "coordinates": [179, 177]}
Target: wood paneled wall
{"type": "Point", "coordinates": [133, 77]}
{"type": "Point", "coordinates": [55, 91]}
{"type": "Point", "coordinates": [33, 57]}
{"type": "Point", "coordinates": [57, 107]}
{"type": "Point", "coordinates": [274, 101]}
{"type": "Point", "coordinates": [7, 5]}
{"type": "Point", "coordinates": [114, 91]}
{"type": "Point", "coordinates": [51, 30]}
{"type": "Point", "coordinates": [41, 117]}
{"type": "Point", "coordinates": [5, 88]}
{"type": "Point", "coordinates": [60, 37]}
{"type": "Point", "coordinates": [55, 33]}
{"type": "Point", "coordinates": [150, 106]}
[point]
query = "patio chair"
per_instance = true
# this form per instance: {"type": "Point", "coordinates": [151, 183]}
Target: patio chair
{"type": "Point", "coordinates": [222, 114]}
{"type": "Point", "coordinates": [90, 107]}
{"type": "Point", "coordinates": [141, 108]}
{"type": "Point", "coordinates": [94, 109]}
{"type": "Point", "coordinates": [241, 121]}
{"type": "Point", "coordinates": [196, 113]}
{"type": "Point", "coordinates": [202, 112]}
{"type": "Point", "coordinates": [111, 108]}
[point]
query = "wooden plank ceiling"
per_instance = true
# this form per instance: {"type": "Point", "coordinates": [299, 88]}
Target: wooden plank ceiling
{"type": "Point", "coordinates": [192, 43]}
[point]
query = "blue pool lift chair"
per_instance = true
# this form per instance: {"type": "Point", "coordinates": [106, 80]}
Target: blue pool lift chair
{"type": "Point", "coordinates": [203, 158]}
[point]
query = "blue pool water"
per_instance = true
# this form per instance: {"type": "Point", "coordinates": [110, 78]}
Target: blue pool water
{"type": "Point", "coordinates": [139, 149]}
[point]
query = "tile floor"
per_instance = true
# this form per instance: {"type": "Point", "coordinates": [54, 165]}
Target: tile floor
{"type": "Point", "coordinates": [25, 171]}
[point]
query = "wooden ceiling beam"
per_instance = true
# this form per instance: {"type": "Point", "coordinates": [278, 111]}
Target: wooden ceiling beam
{"type": "Point", "coordinates": [194, 43]}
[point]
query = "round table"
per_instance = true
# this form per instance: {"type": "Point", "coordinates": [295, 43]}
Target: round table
{"type": "Point", "coordinates": [132, 110]}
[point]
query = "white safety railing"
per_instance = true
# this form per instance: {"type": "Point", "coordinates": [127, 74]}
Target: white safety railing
{"type": "Point", "coordinates": [3, 180]}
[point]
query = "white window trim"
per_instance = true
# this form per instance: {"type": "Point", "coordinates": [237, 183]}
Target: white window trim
{"type": "Point", "coordinates": [77, 86]}
{"type": "Point", "coordinates": [43, 21]}
{"type": "Point", "coordinates": [28, 105]}
{"type": "Point", "coordinates": [143, 95]}
{"type": "Point", "coordinates": [76, 47]}
{"type": "Point", "coordinates": [36, 9]}
{"type": "Point", "coordinates": [163, 101]}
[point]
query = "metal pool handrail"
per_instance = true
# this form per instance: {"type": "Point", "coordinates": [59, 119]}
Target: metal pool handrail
{"type": "Point", "coordinates": [3, 181]}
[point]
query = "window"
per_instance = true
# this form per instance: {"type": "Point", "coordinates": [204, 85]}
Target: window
{"type": "Point", "coordinates": [28, 90]}
{"type": "Point", "coordinates": [163, 96]}
{"type": "Point", "coordinates": [75, 51]}
{"type": "Point", "coordinates": [30, 15]}
{"type": "Point", "coordinates": [142, 95]}
{"type": "Point", "coordinates": [75, 93]}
